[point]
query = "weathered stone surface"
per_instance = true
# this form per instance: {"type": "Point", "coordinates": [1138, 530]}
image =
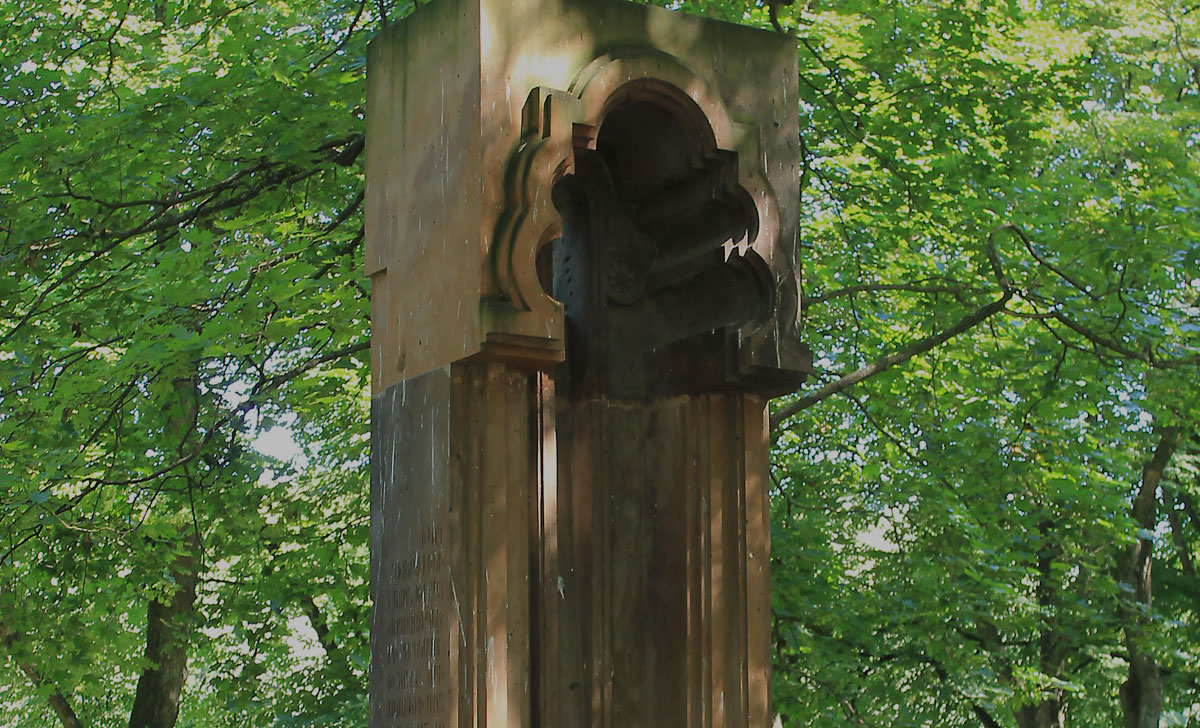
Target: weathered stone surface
{"type": "Point", "coordinates": [580, 228]}
{"type": "Point", "coordinates": [450, 548]}
{"type": "Point", "coordinates": [655, 599]}
{"type": "Point", "coordinates": [476, 109]}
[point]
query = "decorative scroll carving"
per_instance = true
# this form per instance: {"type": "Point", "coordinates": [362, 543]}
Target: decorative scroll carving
{"type": "Point", "coordinates": [530, 220]}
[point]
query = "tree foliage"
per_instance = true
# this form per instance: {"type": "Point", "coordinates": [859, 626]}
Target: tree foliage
{"type": "Point", "coordinates": [181, 194]}
{"type": "Point", "coordinates": [986, 501]}
{"type": "Point", "coordinates": [967, 538]}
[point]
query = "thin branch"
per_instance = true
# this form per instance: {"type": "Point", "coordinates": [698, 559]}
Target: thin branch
{"type": "Point", "coordinates": [985, 718]}
{"type": "Point", "coordinates": [994, 257]}
{"type": "Point", "coordinates": [773, 14]}
{"type": "Point", "coordinates": [345, 250]}
{"type": "Point", "coordinates": [884, 431]}
{"type": "Point", "coordinates": [216, 22]}
{"type": "Point", "coordinates": [884, 363]}
{"type": "Point", "coordinates": [1185, 556]}
{"type": "Point", "coordinates": [880, 287]}
{"type": "Point", "coordinates": [1047, 264]}
{"type": "Point", "coordinates": [362, 5]}
{"type": "Point", "coordinates": [342, 152]}
{"type": "Point", "coordinates": [254, 399]}
{"type": "Point", "coordinates": [320, 626]}
{"type": "Point", "coordinates": [1099, 341]}
{"type": "Point", "coordinates": [346, 212]}
{"type": "Point", "coordinates": [1190, 509]}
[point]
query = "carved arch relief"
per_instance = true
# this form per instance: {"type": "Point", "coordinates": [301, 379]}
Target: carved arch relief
{"type": "Point", "coordinates": [737, 210]}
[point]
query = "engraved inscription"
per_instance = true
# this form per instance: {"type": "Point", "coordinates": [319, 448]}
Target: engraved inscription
{"type": "Point", "coordinates": [415, 665]}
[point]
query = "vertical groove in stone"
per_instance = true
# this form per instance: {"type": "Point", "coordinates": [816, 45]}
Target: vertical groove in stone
{"type": "Point", "coordinates": [694, 584]}
{"type": "Point", "coordinates": [495, 560]}
{"type": "Point", "coordinates": [545, 636]}
{"type": "Point", "coordinates": [462, 589]}
{"type": "Point", "coordinates": [723, 582]}
{"type": "Point", "coordinates": [758, 562]}
{"type": "Point", "coordinates": [522, 421]}
{"type": "Point", "coordinates": [602, 537]}
{"type": "Point", "coordinates": [734, 474]}
{"type": "Point", "coordinates": [736, 555]}
{"type": "Point", "coordinates": [468, 421]}
{"type": "Point", "coordinates": [571, 522]}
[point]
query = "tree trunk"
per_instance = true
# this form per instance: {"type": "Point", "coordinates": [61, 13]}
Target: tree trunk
{"type": "Point", "coordinates": [169, 623]}
{"type": "Point", "coordinates": [1142, 692]}
{"type": "Point", "coordinates": [1051, 711]}
{"type": "Point", "coordinates": [168, 626]}
{"type": "Point", "coordinates": [336, 656]}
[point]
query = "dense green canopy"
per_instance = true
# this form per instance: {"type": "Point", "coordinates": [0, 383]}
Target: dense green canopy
{"type": "Point", "coordinates": [986, 503]}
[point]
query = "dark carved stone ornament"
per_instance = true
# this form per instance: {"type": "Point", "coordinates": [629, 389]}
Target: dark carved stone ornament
{"type": "Point", "coordinates": [655, 259]}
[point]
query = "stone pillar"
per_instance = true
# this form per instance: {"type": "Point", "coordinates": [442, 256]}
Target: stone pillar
{"type": "Point", "coordinates": [581, 242]}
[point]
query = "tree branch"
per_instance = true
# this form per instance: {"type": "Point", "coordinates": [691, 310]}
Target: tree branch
{"type": "Point", "coordinates": [879, 287]}
{"type": "Point", "coordinates": [1142, 692]}
{"type": "Point", "coordinates": [254, 399]}
{"type": "Point", "coordinates": [1047, 264]}
{"type": "Point", "coordinates": [909, 452]}
{"type": "Point", "coordinates": [362, 5]}
{"type": "Point", "coordinates": [338, 657]}
{"type": "Point", "coordinates": [169, 625]}
{"type": "Point", "coordinates": [887, 362]}
{"type": "Point", "coordinates": [341, 152]}
{"type": "Point", "coordinates": [773, 14]}
{"type": "Point", "coordinates": [1185, 557]}
{"type": "Point", "coordinates": [1190, 509]}
{"type": "Point", "coordinates": [58, 702]}
{"type": "Point", "coordinates": [1108, 344]}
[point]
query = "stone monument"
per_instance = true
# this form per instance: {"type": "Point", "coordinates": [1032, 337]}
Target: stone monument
{"type": "Point", "coordinates": [581, 243]}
